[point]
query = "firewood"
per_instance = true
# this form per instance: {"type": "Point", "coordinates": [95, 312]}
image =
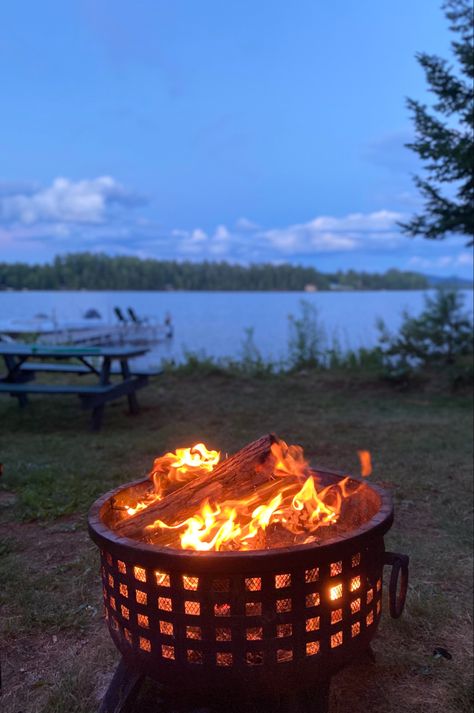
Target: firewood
{"type": "Point", "coordinates": [236, 477]}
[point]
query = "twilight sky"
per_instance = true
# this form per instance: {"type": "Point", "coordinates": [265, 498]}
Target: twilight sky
{"type": "Point", "coordinates": [244, 130]}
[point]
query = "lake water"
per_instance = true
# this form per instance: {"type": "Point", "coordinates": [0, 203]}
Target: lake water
{"type": "Point", "coordinates": [214, 322]}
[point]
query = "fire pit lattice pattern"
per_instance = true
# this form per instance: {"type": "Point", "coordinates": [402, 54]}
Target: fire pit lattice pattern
{"type": "Point", "coordinates": [243, 620]}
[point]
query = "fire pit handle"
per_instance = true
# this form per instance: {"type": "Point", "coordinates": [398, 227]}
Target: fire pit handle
{"type": "Point", "coordinates": [397, 598]}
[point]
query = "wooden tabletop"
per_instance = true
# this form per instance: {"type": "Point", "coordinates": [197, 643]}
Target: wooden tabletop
{"type": "Point", "coordinates": [65, 352]}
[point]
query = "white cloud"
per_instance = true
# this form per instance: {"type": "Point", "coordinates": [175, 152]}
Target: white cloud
{"type": "Point", "coordinates": [463, 259]}
{"type": "Point", "coordinates": [331, 234]}
{"type": "Point", "coordinates": [65, 201]}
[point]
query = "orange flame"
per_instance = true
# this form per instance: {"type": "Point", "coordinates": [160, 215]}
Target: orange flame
{"type": "Point", "coordinates": [291, 501]}
{"type": "Point", "coordinates": [173, 469]}
{"type": "Point", "coordinates": [365, 463]}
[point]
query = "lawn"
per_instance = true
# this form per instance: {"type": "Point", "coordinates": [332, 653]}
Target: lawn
{"type": "Point", "coordinates": [56, 653]}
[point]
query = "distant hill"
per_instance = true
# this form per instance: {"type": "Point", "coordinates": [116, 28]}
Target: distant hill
{"type": "Point", "coordinates": [452, 282]}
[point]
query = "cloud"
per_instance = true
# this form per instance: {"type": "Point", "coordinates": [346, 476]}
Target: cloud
{"type": "Point", "coordinates": [38, 222]}
{"type": "Point", "coordinates": [89, 201]}
{"type": "Point", "coordinates": [462, 259]}
{"type": "Point", "coordinates": [333, 234]}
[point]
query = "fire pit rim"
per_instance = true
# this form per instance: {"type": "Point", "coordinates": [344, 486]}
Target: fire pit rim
{"type": "Point", "coordinates": [102, 534]}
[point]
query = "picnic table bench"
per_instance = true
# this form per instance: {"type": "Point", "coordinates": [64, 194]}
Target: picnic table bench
{"type": "Point", "coordinates": [20, 378]}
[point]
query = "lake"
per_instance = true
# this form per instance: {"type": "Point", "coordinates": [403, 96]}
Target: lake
{"type": "Point", "coordinates": [214, 322]}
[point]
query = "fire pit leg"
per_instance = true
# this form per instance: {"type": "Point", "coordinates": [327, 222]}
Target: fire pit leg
{"type": "Point", "coordinates": [122, 691]}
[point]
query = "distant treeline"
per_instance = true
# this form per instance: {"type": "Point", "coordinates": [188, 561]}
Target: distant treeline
{"type": "Point", "coordinates": [100, 272]}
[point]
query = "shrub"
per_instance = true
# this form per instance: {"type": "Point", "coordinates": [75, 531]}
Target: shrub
{"type": "Point", "coordinates": [441, 336]}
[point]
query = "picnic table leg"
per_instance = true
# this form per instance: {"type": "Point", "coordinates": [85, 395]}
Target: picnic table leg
{"type": "Point", "coordinates": [98, 411]}
{"type": "Point", "coordinates": [132, 398]}
{"type": "Point", "coordinates": [13, 364]}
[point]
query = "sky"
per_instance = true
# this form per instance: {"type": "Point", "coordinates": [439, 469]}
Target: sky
{"type": "Point", "coordinates": [245, 130]}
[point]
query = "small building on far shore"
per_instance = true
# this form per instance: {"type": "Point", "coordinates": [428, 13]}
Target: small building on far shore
{"type": "Point", "coordinates": [310, 287]}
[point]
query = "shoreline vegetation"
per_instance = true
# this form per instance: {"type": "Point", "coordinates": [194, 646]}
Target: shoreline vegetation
{"type": "Point", "coordinates": [87, 271]}
{"type": "Point", "coordinates": [435, 346]}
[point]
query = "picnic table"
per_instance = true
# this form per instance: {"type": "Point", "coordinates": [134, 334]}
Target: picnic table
{"type": "Point", "coordinates": [24, 361]}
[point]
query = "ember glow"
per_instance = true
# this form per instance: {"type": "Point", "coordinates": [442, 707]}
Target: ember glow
{"type": "Point", "coordinates": [292, 504]}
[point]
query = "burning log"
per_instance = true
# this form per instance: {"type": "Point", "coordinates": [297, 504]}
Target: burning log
{"type": "Point", "coordinates": [237, 476]}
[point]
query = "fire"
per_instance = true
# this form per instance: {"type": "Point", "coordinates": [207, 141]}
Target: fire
{"type": "Point", "coordinates": [365, 463]}
{"type": "Point", "coordinates": [184, 464]}
{"type": "Point", "coordinates": [174, 469]}
{"type": "Point", "coordinates": [293, 502]}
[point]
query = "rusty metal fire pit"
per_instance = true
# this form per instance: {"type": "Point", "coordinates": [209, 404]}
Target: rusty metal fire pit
{"type": "Point", "coordinates": [264, 622]}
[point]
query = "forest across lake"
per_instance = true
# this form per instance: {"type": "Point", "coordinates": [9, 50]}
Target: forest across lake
{"type": "Point", "coordinates": [91, 271]}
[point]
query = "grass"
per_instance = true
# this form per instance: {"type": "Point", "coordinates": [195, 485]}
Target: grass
{"type": "Point", "coordinates": [57, 655]}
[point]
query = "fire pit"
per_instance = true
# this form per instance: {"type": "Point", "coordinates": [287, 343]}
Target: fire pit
{"type": "Point", "coordinates": [265, 621]}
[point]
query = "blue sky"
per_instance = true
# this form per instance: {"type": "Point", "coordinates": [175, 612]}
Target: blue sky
{"type": "Point", "coordinates": [239, 130]}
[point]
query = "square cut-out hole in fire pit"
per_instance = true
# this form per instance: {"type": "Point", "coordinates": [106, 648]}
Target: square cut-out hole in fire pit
{"type": "Point", "coordinates": [282, 581]}
{"type": "Point", "coordinates": [369, 618]}
{"type": "Point", "coordinates": [355, 606]}
{"type": "Point", "coordinates": [192, 608]}
{"type": "Point", "coordinates": [141, 597]}
{"type": "Point", "coordinates": [165, 604]}
{"type": "Point", "coordinates": [255, 633]}
{"type": "Point", "coordinates": [311, 575]}
{"type": "Point", "coordinates": [123, 589]}
{"type": "Point", "coordinates": [335, 592]}
{"type": "Point", "coordinates": [379, 585]}
{"type": "Point", "coordinates": [139, 573]}
{"type": "Point", "coordinates": [113, 604]}
{"type": "Point", "coordinates": [162, 578]}
{"type": "Point", "coordinates": [283, 605]}
{"type": "Point", "coordinates": [284, 630]}
{"type": "Point", "coordinates": [223, 658]}
{"type": "Point", "coordinates": [194, 632]}
{"type": "Point", "coordinates": [355, 560]}
{"type": "Point", "coordinates": [128, 635]}
{"type": "Point", "coordinates": [370, 595]}
{"type": "Point", "coordinates": [379, 607]}
{"type": "Point", "coordinates": [145, 644]}
{"type": "Point", "coordinates": [254, 658]}
{"type": "Point", "coordinates": [355, 584]}
{"type": "Point", "coordinates": [253, 584]}
{"type": "Point", "coordinates": [222, 609]}
{"type": "Point", "coordinates": [355, 629]}
{"type": "Point", "coordinates": [167, 652]}
{"type": "Point", "coordinates": [111, 581]}
{"type": "Point", "coordinates": [125, 612]}
{"type": "Point", "coordinates": [335, 569]}
{"type": "Point", "coordinates": [284, 655]}
{"type": "Point", "coordinates": [194, 656]}
{"type": "Point", "coordinates": [313, 623]}
{"type": "Point", "coordinates": [312, 648]}
{"type": "Point", "coordinates": [223, 634]}
{"type": "Point", "coordinates": [336, 639]}
{"type": "Point", "coordinates": [190, 583]}
{"type": "Point", "coordinates": [166, 628]}
{"type": "Point", "coordinates": [336, 616]}
{"type": "Point", "coordinates": [253, 608]}
{"type": "Point", "coordinates": [143, 621]}
{"type": "Point", "coordinates": [312, 600]}
{"type": "Point", "coordinates": [121, 567]}
{"type": "Point", "coordinates": [222, 584]}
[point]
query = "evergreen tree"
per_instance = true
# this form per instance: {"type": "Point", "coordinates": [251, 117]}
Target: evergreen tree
{"type": "Point", "coordinates": [444, 135]}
